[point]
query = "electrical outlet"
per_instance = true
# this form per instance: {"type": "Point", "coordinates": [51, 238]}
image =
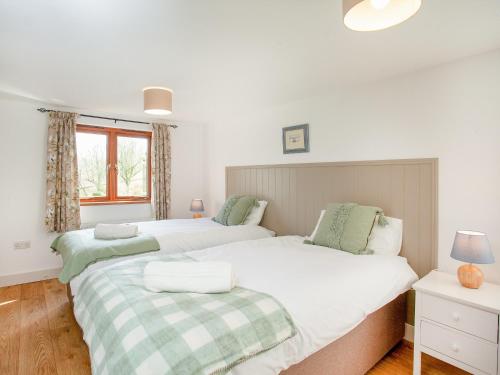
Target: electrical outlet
{"type": "Point", "coordinates": [22, 245]}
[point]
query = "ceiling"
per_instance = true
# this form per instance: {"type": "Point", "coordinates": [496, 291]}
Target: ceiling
{"type": "Point", "coordinates": [98, 55]}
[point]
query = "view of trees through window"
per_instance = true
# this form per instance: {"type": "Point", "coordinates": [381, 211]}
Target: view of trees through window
{"type": "Point", "coordinates": [132, 166]}
{"type": "Point", "coordinates": [112, 166]}
{"type": "Point", "coordinates": [92, 161]}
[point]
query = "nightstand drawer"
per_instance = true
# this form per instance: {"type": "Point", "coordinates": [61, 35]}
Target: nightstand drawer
{"type": "Point", "coordinates": [465, 318]}
{"type": "Point", "coordinates": [462, 347]}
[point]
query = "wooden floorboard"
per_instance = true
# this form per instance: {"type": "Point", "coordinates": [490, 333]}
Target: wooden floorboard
{"type": "Point", "coordinates": [400, 361]}
{"type": "Point", "coordinates": [10, 324]}
{"type": "Point", "coordinates": [70, 350]}
{"type": "Point", "coordinates": [32, 290]}
{"type": "Point", "coordinates": [36, 355]}
{"type": "Point", "coordinates": [39, 335]}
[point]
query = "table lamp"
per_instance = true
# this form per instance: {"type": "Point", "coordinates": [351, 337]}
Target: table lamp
{"type": "Point", "coordinates": [471, 247]}
{"type": "Point", "coordinates": [197, 208]}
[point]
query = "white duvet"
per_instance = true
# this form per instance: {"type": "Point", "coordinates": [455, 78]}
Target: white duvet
{"type": "Point", "coordinates": [181, 235]}
{"type": "Point", "coordinates": [327, 292]}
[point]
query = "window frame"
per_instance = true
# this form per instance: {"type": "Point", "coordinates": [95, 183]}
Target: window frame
{"type": "Point", "coordinates": [112, 135]}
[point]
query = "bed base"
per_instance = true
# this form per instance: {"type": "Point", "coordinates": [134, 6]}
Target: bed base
{"type": "Point", "coordinates": [360, 349]}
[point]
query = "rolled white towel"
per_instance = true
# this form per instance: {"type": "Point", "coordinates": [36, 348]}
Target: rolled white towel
{"type": "Point", "coordinates": [193, 277]}
{"type": "Point", "coordinates": [115, 231]}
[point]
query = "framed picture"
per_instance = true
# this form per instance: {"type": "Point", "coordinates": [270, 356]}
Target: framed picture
{"type": "Point", "coordinates": [296, 139]}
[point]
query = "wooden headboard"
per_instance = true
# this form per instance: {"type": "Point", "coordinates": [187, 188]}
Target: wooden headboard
{"type": "Point", "coordinates": [296, 193]}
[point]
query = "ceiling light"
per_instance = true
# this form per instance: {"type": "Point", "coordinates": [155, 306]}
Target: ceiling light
{"type": "Point", "coordinates": [379, 4]}
{"type": "Point", "coordinates": [157, 101]}
{"type": "Point", "coordinates": [371, 15]}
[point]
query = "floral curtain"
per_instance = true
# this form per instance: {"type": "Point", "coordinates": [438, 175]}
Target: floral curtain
{"type": "Point", "coordinates": [63, 202]}
{"type": "Point", "coordinates": [160, 150]}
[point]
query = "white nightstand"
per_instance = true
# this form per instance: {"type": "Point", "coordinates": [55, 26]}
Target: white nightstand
{"type": "Point", "coordinates": [456, 324]}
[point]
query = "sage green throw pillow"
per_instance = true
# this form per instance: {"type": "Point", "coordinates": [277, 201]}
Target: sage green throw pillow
{"type": "Point", "coordinates": [235, 210]}
{"type": "Point", "coordinates": [224, 212]}
{"type": "Point", "coordinates": [241, 209]}
{"type": "Point", "coordinates": [347, 226]}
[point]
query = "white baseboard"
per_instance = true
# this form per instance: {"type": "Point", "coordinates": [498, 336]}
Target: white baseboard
{"type": "Point", "coordinates": [29, 277]}
{"type": "Point", "coordinates": [409, 332]}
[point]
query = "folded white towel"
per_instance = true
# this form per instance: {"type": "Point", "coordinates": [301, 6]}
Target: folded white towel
{"type": "Point", "coordinates": [115, 231]}
{"type": "Point", "coordinates": [194, 277]}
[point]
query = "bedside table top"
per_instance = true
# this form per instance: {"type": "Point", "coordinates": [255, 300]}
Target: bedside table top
{"type": "Point", "coordinates": [441, 284]}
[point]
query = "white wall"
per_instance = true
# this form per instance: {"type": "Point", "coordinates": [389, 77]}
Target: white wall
{"type": "Point", "coordinates": [22, 188]}
{"type": "Point", "coordinates": [451, 112]}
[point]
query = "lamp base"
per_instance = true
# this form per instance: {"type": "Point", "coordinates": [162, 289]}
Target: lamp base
{"type": "Point", "coordinates": [470, 276]}
{"type": "Point", "coordinates": [197, 215]}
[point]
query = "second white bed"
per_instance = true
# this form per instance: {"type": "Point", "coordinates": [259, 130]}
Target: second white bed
{"type": "Point", "coordinates": [182, 235]}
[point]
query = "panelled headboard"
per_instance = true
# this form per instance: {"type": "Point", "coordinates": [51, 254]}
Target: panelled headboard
{"type": "Point", "coordinates": [296, 193]}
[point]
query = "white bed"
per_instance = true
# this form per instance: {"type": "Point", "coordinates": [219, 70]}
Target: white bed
{"type": "Point", "coordinates": [327, 292]}
{"type": "Point", "coordinates": [182, 235]}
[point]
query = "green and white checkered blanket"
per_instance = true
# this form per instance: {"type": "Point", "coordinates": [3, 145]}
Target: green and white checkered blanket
{"type": "Point", "coordinates": [130, 330]}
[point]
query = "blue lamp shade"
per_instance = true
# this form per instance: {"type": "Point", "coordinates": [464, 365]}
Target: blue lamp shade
{"type": "Point", "coordinates": [197, 205]}
{"type": "Point", "coordinates": [472, 247]}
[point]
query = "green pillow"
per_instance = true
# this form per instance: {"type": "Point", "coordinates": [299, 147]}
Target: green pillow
{"type": "Point", "coordinates": [224, 212]}
{"type": "Point", "coordinates": [347, 226]}
{"type": "Point", "coordinates": [241, 209]}
{"type": "Point", "coordinates": [235, 210]}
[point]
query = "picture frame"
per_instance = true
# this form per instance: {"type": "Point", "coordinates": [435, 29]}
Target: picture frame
{"type": "Point", "coordinates": [295, 139]}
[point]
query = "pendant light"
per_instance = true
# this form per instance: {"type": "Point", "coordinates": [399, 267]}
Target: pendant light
{"type": "Point", "coordinates": [157, 101]}
{"type": "Point", "coordinates": [371, 15]}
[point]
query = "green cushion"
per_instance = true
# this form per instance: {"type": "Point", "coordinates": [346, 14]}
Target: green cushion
{"type": "Point", "coordinates": [235, 210]}
{"type": "Point", "coordinates": [224, 212]}
{"type": "Point", "coordinates": [346, 226]}
{"type": "Point", "coordinates": [241, 209]}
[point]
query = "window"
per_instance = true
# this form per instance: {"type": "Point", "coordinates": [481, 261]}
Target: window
{"type": "Point", "coordinates": [114, 165]}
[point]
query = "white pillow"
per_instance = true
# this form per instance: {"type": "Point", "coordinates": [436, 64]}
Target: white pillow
{"type": "Point", "coordinates": [313, 234]}
{"type": "Point", "coordinates": [386, 240]}
{"type": "Point", "coordinates": [255, 216]}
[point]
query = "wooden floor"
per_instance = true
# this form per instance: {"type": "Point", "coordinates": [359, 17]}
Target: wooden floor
{"type": "Point", "coordinates": [39, 335]}
{"type": "Point", "coordinates": [400, 361]}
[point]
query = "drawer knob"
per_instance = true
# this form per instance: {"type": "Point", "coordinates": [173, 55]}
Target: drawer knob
{"type": "Point", "coordinates": [455, 348]}
{"type": "Point", "coordinates": [455, 316]}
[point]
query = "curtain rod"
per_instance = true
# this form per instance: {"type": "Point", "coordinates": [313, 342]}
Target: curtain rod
{"type": "Point", "coordinates": [43, 110]}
